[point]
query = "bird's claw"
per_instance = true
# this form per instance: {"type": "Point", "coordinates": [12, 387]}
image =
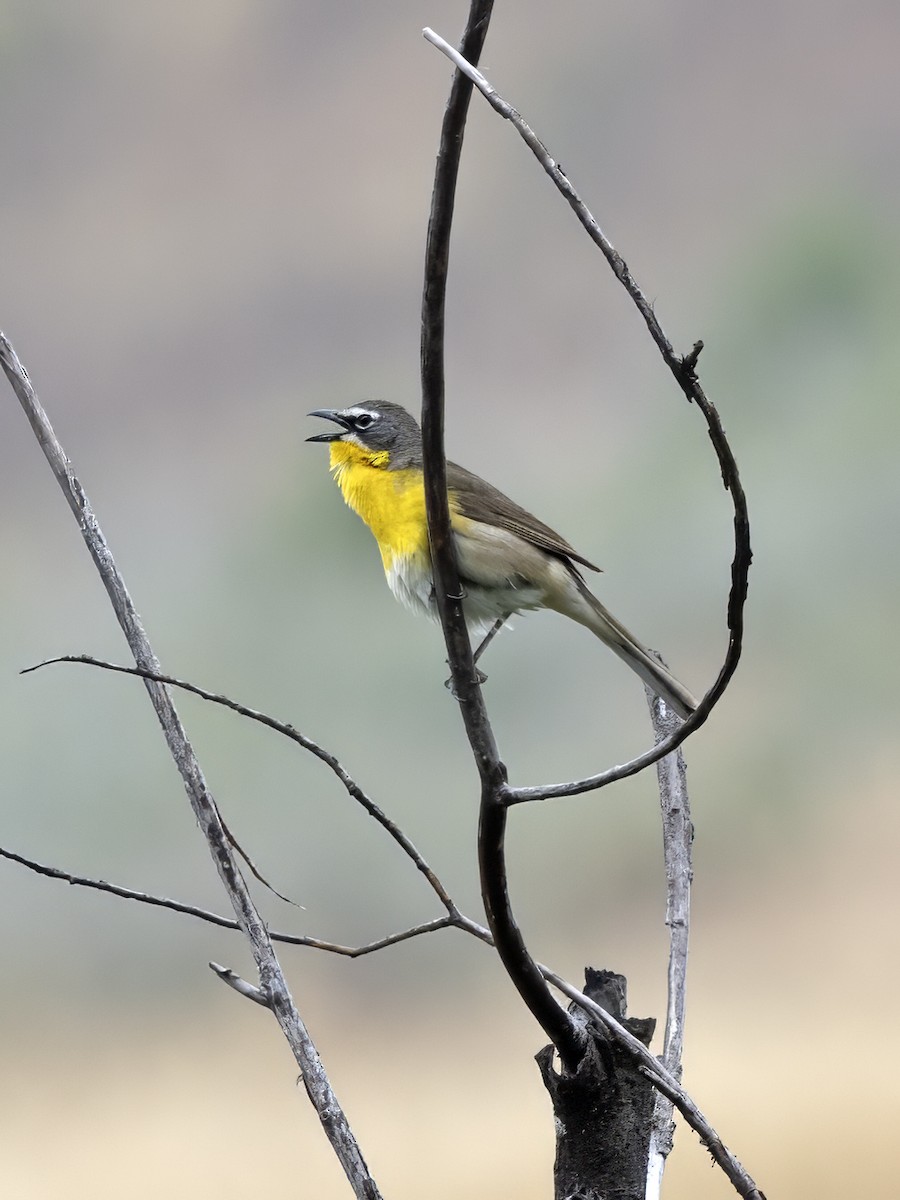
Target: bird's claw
{"type": "Point", "coordinates": [480, 678]}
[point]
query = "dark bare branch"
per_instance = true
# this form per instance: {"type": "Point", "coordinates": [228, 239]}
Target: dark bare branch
{"type": "Point", "coordinates": [684, 371]}
{"type": "Point", "coordinates": [522, 969]}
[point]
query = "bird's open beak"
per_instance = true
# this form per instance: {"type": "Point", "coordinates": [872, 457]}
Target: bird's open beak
{"type": "Point", "coordinates": [330, 414]}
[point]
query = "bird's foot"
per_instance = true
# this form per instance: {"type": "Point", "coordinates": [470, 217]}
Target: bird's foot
{"type": "Point", "coordinates": [480, 678]}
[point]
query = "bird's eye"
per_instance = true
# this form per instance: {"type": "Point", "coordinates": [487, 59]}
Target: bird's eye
{"type": "Point", "coordinates": [363, 421]}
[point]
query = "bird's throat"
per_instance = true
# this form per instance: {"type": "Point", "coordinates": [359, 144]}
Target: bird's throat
{"type": "Point", "coordinates": [392, 503]}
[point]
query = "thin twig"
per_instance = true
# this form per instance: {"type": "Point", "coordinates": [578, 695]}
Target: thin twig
{"type": "Point", "coordinates": [211, 918]}
{"type": "Point", "coordinates": [392, 939]}
{"type": "Point", "coordinates": [678, 835]}
{"type": "Point", "coordinates": [455, 920]}
{"type": "Point", "coordinates": [521, 967]}
{"type": "Point", "coordinates": [286, 730]}
{"type": "Point", "coordinates": [271, 977]}
{"type": "Point", "coordinates": [684, 370]}
{"type": "Point", "coordinates": [251, 865]}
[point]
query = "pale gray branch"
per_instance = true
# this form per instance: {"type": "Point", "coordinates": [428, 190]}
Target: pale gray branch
{"type": "Point", "coordinates": [678, 833]}
{"type": "Point", "coordinates": [241, 986]}
{"type": "Point", "coordinates": [271, 977]}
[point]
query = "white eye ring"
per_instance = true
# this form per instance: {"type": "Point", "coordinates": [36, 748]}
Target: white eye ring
{"type": "Point", "coordinates": [364, 420]}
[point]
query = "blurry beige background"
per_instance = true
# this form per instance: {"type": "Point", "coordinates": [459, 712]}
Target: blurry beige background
{"type": "Point", "coordinates": [213, 219]}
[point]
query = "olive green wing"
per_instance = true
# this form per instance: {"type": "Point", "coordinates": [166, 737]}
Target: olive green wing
{"type": "Point", "coordinates": [479, 501]}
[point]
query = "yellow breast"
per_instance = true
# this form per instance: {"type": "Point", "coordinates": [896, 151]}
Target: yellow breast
{"type": "Point", "coordinates": [392, 503]}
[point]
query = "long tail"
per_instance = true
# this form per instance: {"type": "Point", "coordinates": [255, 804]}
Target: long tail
{"type": "Point", "coordinates": [585, 608]}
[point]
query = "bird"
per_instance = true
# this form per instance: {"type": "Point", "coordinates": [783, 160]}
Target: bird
{"type": "Point", "coordinates": [509, 562]}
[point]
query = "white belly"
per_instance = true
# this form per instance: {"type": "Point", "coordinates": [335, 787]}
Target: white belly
{"type": "Point", "coordinates": [411, 582]}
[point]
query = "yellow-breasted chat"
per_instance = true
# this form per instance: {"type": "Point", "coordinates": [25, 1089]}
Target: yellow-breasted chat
{"type": "Point", "coordinates": [509, 561]}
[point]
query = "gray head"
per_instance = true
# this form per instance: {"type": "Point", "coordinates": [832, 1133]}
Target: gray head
{"type": "Point", "coordinates": [376, 425]}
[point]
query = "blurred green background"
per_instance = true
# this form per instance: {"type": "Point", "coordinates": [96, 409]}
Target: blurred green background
{"type": "Point", "coordinates": [213, 220]}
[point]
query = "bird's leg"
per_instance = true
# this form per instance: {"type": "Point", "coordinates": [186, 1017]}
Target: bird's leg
{"type": "Point", "coordinates": [489, 637]}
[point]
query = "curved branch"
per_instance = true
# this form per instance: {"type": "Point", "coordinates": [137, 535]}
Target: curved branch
{"type": "Point", "coordinates": [683, 369]}
{"type": "Point", "coordinates": [286, 730]}
{"type": "Point", "coordinates": [522, 969]}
